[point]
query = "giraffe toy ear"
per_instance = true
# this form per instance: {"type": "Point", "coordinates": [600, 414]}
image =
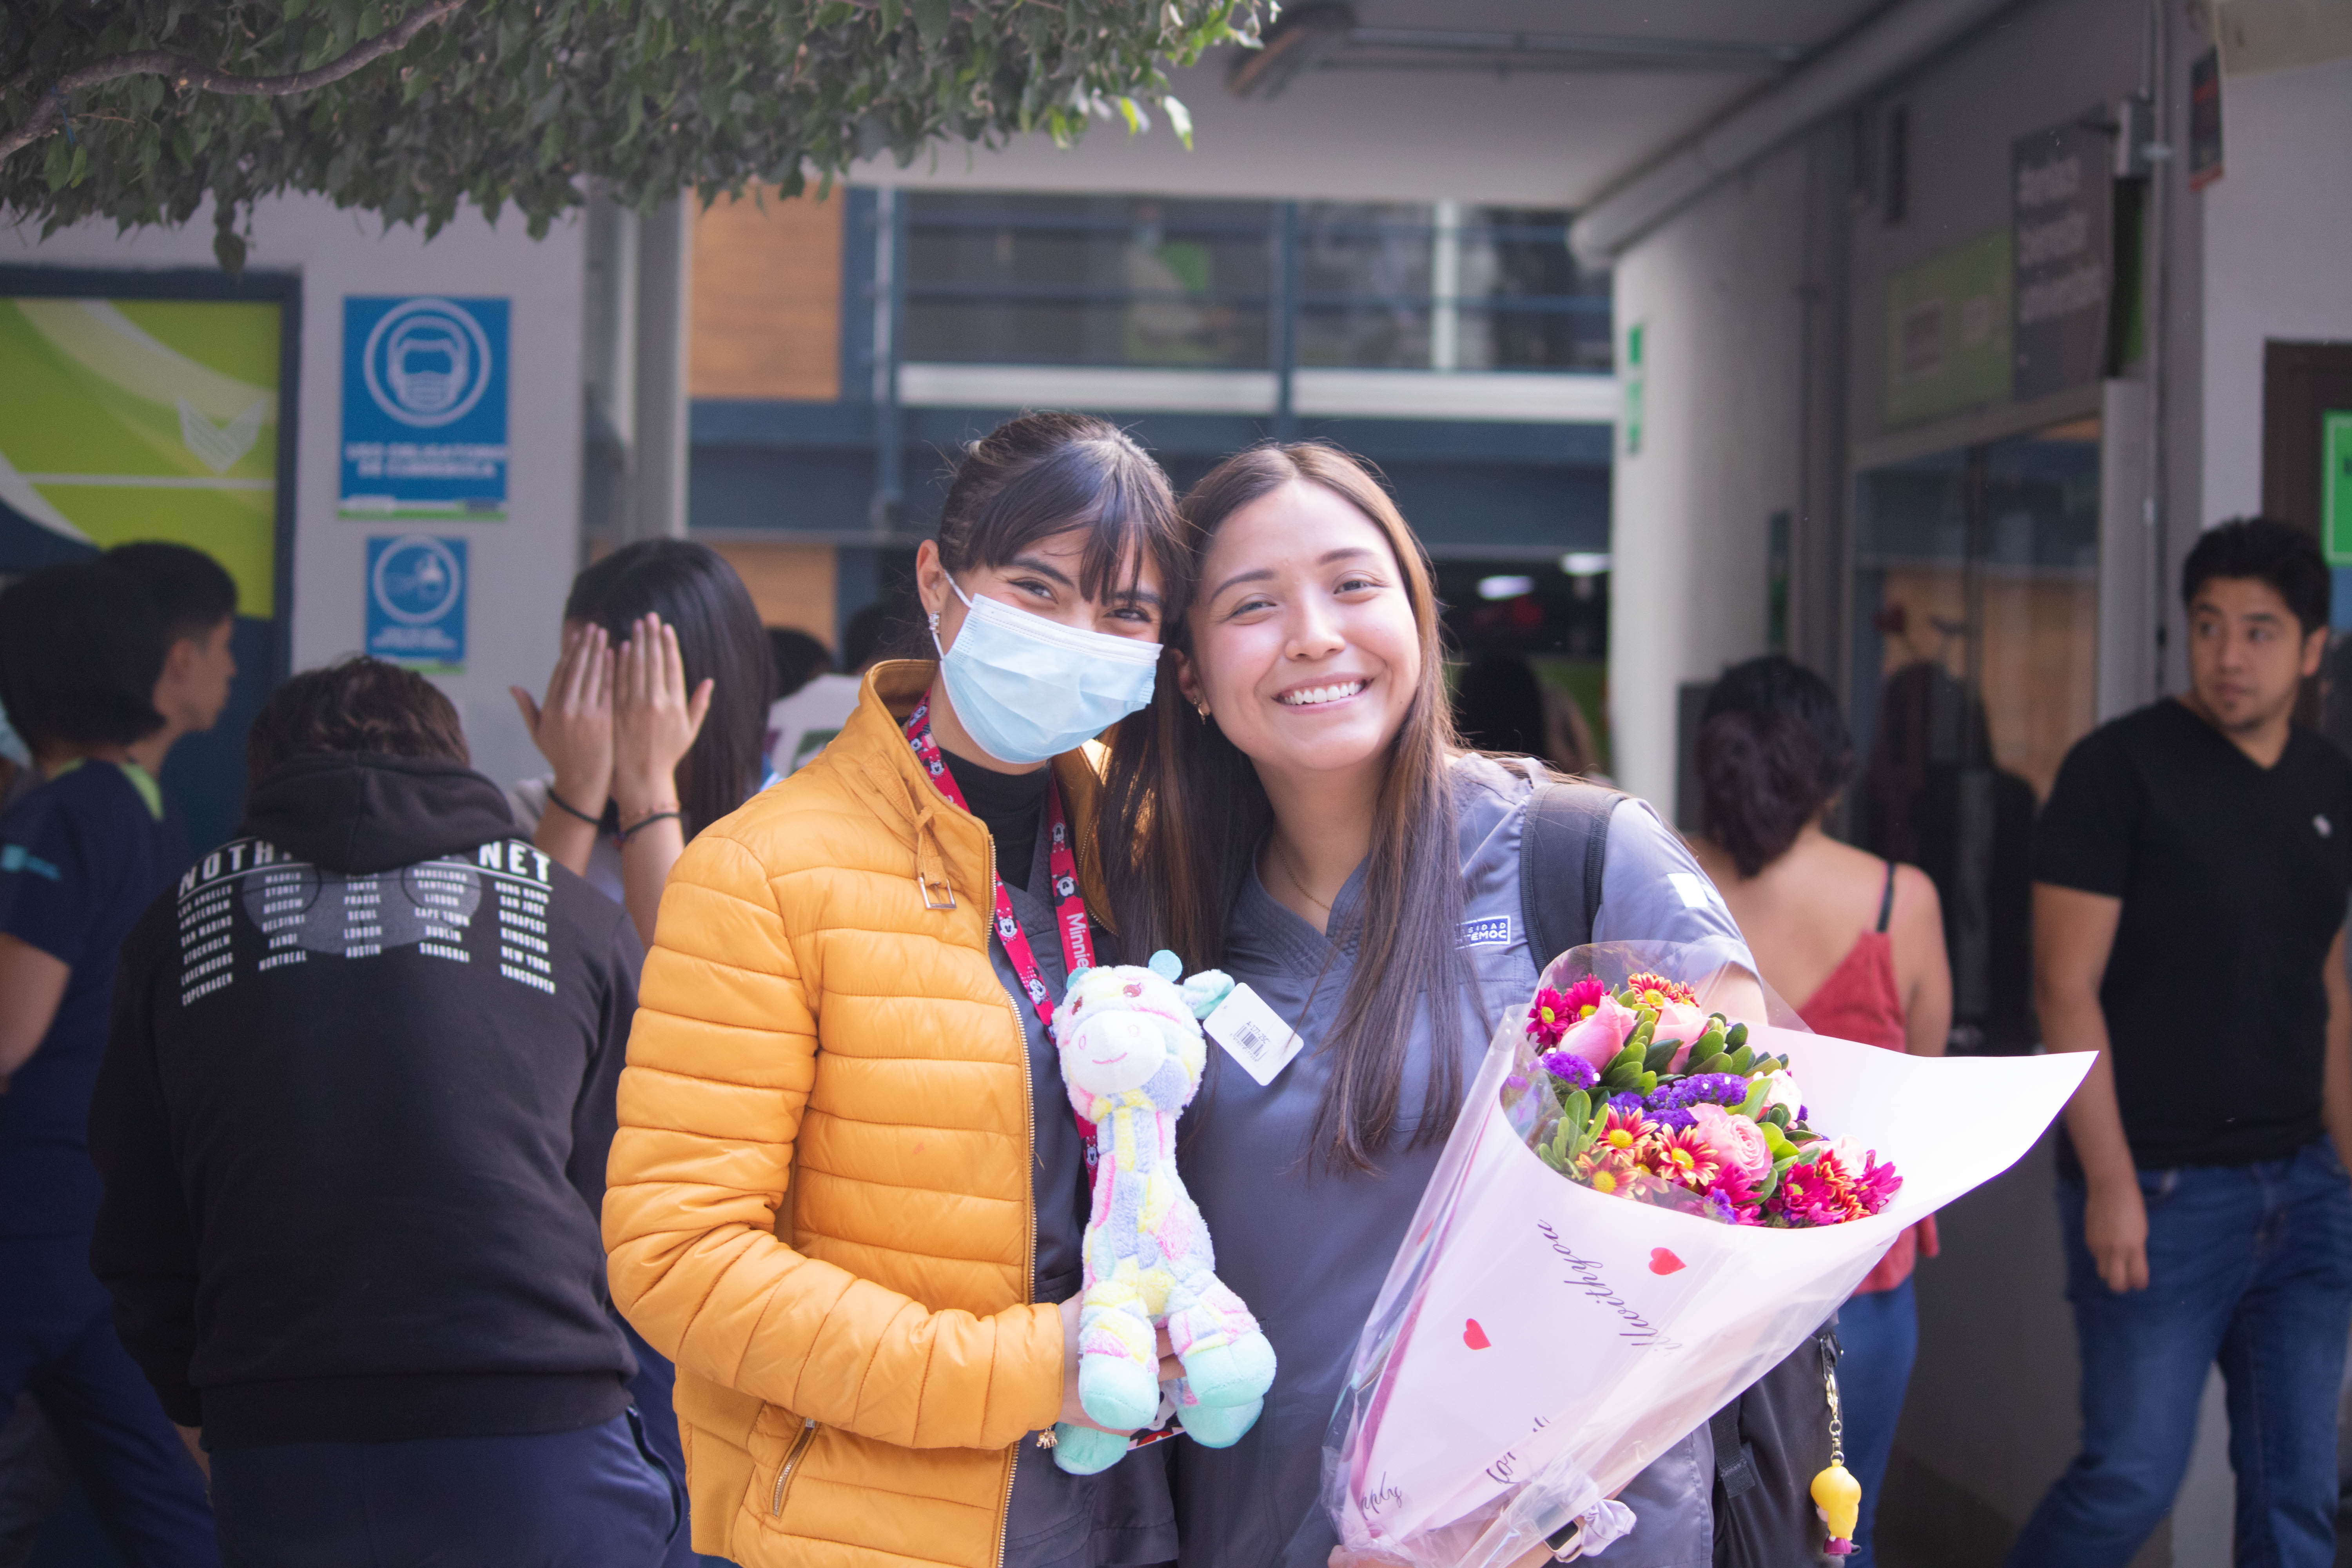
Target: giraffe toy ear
{"type": "Point", "coordinates": [1166, 965]}
{"type": "Point", "coordinates": [1207, 991]}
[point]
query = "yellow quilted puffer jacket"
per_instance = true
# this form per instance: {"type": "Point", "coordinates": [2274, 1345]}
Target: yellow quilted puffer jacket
{"type": "Point", "coordinates": [819, 1200]}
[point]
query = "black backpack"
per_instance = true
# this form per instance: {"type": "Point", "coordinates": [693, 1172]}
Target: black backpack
{"type": "Point", "coordinates": [1774, 1438]}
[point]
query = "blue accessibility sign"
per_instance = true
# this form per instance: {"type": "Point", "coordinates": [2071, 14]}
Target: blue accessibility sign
{"type": "Point", "coordinates": [416, 601]}
{"type": "Point", "coordinates": [424, 408]}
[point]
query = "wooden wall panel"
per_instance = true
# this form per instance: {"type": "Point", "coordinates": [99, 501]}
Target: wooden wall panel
{"type": "Point", "coordinates": [766, 300]}
{"type": "Point", "coordinates": [793, 585]}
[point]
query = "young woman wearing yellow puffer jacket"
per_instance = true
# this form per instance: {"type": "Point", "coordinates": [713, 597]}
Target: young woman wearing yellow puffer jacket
{"type": "Point", "coordinates": [847, 1195]}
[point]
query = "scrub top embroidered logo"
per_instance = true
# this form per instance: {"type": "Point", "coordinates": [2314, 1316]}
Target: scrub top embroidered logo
{"type": "Point", "coordinates": [1494, 930]}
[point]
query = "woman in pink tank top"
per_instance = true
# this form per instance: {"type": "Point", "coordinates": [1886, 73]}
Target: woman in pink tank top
{"type": "Point", "coordinates": [1859, 939]}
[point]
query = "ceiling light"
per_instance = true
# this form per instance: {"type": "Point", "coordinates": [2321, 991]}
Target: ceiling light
{"type": "Point", "coordinates": [1584, 563]}
{"type": "Point", "coordinates": [1505, 587]}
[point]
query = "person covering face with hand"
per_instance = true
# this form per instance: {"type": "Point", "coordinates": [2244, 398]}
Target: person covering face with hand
{"type": "Point", "coordinates": [2192, 869]}
{"type": "Point", "coordinates": [847, 1195]}
{"type": "Point", "coordinates": [653, 718]}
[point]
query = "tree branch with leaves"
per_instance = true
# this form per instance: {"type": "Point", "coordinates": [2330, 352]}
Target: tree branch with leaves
{"type": "Point", "coordinates": [142, 110]}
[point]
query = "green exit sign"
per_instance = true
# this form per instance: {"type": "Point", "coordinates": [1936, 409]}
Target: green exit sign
{"type": "Point", "coordinates": [2335, 485]}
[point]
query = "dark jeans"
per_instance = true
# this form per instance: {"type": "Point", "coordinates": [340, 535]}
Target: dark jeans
{"type": "Point", "coordinates": [1878, 1338]}
{"type": "Point", "coordinates": [2249, 1265]}
{"type": "Point", "coordinates": [595, 1498]}
{"type": "Point", "coordinates": [652, 1389]}
{"type": "Point", "coordinates": [57, 1347]}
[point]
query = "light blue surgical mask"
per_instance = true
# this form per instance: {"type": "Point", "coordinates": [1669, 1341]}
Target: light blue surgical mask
{"type": "Point", "coordinates": [1028, 688]}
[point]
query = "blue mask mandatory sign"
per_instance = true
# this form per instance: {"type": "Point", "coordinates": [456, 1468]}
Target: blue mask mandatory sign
{"type": "Point", "coordinates": [424, 408]}
{"type": "Point", "coordinates": [416, 601]}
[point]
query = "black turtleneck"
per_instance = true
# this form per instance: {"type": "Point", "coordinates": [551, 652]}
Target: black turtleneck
{"type": "Point", "coordinates": [1011, 806]}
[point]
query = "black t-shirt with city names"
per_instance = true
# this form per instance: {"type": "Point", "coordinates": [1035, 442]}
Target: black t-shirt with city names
{"type": "Point", "coordinates": [2233, 880]}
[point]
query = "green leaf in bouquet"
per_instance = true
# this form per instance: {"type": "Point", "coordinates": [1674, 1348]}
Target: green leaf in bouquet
{"type": "Point", "coordinates": [1709, 1042]}
{"type": "Point", "coordinates": [1757, 1089]}
{"type": "Point", "coordinates": [1631, 1057]}
{"type": "Point", "coordinates": [1647, 1083]}
{"type": "Point", "coordinates": [1661, 1057]}
{"type": "Point", "coordinates": [1621, 1075]}
{"type": "Point", "coordinates": [1643, 1032]}
{"type": "Point", "coordinates": [1742, 1058]}
{"type": "Point", "coordinates": [1779, 1116]}
{"type": "Point", "coordinates": [1736, 1036]}
{"type": "Point", "coordinates": [1713, 1064]}
{"type": "Point", "coordinates": [1576, 1111]}
{"type": "Point", "coordinates": [1544, 1152]}
{"type": "Point", "coordinates": [1774, 1141]}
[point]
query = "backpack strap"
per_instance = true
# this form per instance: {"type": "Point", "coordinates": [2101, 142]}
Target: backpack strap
{"type": "Point", "coordinates": [1564, 847]}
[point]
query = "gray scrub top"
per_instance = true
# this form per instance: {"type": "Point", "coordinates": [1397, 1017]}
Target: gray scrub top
{"type": "Point", "coordinates": [1309, 1250]}
{"type": "Point", "coordinates": [1123, 1517]}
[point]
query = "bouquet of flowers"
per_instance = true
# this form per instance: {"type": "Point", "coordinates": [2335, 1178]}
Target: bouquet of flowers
{"type": "Point", "coordinates": [1540, 1339]}
{"type": "Point", "coordinates": [1640, 1094]}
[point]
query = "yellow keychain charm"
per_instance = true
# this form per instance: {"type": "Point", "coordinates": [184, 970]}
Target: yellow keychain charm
{"type": "Point", "coordinates": [1836, 1493]}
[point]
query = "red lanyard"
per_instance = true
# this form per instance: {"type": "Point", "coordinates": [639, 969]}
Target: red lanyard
{"type": "Point", "coordinates": [1070, 906]}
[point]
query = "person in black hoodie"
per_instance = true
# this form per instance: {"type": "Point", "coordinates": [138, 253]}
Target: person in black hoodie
{"type": "Point", "coordinates": [352, 1121]}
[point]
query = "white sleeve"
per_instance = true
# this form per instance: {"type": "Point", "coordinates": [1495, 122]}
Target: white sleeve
{"type": "Point", "coordinates": [1652, 890]}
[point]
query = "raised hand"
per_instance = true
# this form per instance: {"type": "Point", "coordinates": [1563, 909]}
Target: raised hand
{"type": "Point", "coordinates": [574, 726]}
{"type": "Point", "coordinates": [654, 719]}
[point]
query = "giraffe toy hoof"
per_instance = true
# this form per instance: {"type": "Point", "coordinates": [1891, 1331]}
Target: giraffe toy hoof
{"type": "Point", "coordinates": [1083, 1451]}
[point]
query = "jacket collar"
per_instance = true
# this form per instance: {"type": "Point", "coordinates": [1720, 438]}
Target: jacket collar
{"type": "Point", "coordinates": [949, 846]}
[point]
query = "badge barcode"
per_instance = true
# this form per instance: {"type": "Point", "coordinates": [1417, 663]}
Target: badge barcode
{"type": "Point", "coordinates": [1252, 1039]}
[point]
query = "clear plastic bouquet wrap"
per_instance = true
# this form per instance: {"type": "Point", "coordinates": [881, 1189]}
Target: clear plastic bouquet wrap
{"type": "Point", "coordinates": [1660, 1184]}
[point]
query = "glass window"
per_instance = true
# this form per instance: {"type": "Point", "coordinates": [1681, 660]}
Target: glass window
{"type": "Point", "coordinates": [1976, 596]}
{"type": "Point", "coordinates": [994, 279]}
{"type": "Point", "coordinates": [1001, 279]}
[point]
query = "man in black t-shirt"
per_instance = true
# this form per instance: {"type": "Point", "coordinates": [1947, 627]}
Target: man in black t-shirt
{"type": "Point", "coordinates": [2191, 870]}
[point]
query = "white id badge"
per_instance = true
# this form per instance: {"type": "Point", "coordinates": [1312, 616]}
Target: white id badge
{"type": "Point", "coordinates": [1254, 1035]}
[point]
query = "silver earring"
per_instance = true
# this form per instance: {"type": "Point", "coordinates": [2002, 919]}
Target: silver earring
{"type": "Point", "coordinates": [1203, 708]}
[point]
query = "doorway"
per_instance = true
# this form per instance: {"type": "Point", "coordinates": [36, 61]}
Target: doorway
{"type": "Point", "coordinates": [1976, 599]}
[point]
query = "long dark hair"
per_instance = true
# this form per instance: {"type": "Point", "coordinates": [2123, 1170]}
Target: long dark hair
{"type": "Point", "coordinates": [1773, 752]}
{"type": "Point", "coordinates": [1183, 814]}
{"type": "Point", "coordinates": [691, 587]}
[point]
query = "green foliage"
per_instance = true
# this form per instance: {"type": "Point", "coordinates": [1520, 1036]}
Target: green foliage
{"type": "Point", "coordinates": [522, 102]}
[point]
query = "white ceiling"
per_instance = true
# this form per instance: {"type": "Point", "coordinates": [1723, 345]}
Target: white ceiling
{"type": "Point", "coordinates": [1534, 137]}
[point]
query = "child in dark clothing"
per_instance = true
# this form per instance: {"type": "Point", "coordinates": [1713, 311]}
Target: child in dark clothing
{"type": "Point", "coordinates": [82, 648]}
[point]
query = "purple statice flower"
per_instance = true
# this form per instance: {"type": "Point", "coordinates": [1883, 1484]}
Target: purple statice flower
{"type": "Point", "coordinates": [1569, 1068]}
{"type": "Point", "coordinates": [1672, 1116]}
{"type": "Point", "coordinates": [1626, 1104]}
{"type": "Point", "coordinates": [1724, 1088]}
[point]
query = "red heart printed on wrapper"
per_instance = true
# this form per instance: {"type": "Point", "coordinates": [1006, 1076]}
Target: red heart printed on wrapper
{"type": "Point", "coordinates": [1664, 1261]}
{"type": "Point", "coordinates": [1473, 1336]}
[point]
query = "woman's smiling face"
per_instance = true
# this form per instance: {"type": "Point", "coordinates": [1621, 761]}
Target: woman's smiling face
{"type": "Point", "coordinates": [1304, 645]}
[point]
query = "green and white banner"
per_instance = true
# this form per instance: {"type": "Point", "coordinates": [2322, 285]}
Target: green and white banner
{"type": "Point", "coordinates": [124, 419]}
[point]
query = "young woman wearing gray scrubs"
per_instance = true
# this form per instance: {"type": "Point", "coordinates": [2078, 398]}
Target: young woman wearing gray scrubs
{"type": "Point", "coordinates": [1297, 812]}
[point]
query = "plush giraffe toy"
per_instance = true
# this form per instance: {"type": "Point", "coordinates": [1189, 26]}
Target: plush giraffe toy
{"type": "Point", "coordinates": [1132, 1053]}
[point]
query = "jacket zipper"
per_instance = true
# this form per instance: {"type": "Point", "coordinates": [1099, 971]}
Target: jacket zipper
{"type": "Point", "coordinates": [791, 1462]}
{"type": "Point", "coordinates": [1029, 1142]}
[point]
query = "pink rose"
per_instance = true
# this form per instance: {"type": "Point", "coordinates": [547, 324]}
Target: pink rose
{"type": "Point", "coordinates": [1737, 1142]}
{"type": "Point", "coordinates": [1599, 1038]}
{"type": "Point", "coordinates": [1680, 1021]}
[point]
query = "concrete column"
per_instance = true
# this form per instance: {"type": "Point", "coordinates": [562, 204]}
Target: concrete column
{"type": "Point", "coordinates": [653, 485]}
